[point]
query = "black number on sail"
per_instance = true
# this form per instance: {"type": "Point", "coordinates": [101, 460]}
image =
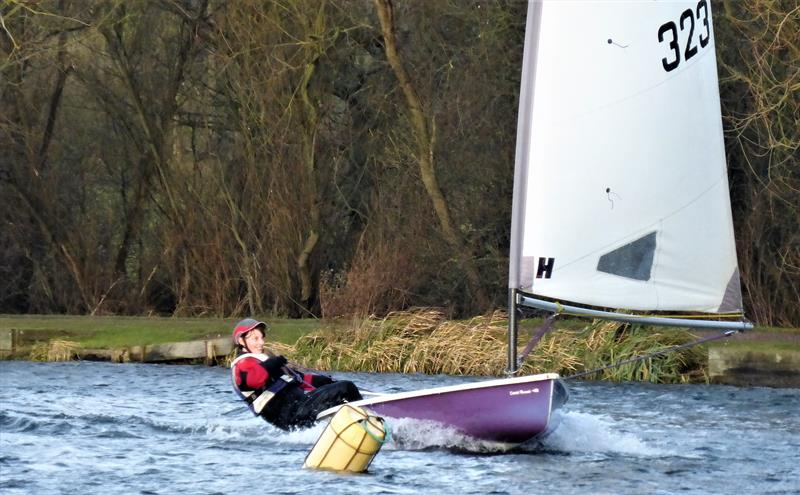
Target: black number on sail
{"type": "Point", "coordinates": [691, 51]}
{"type": "Point", "coordinates": [673, 44]}
{"type": "Point", "coordinates": [691, 47]}
{"type": "Point", "coordinates": [704, 40]}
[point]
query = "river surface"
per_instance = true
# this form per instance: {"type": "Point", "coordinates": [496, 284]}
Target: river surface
{"type": "Point", "coordinates": [86, 427]}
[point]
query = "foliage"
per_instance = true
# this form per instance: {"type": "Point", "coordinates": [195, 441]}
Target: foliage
{"type": "Point", "coordinates": [216, 158]}
{"type": "Point", "coordinates": [610, 342]}
{"type": "Point", "coordinates": [759, 58]}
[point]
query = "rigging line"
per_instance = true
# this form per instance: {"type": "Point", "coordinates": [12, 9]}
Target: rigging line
{"type": "Point", "coordinates": [654, 354]}
{"type": "Point", "coordinates": [545, 327]}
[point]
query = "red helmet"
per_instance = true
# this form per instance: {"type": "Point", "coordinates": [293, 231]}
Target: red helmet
{"type": "Point", "coordinates": [245, 326]}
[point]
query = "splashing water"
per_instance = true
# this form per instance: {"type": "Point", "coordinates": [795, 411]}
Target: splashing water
{"type": "Point", "coordinates": [410, 434]}
{"type": "Point", "coordinates": [583, 432]}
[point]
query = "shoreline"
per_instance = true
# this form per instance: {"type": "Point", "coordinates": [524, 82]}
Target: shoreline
{"type": "Point", "coordinates": [731, 362]}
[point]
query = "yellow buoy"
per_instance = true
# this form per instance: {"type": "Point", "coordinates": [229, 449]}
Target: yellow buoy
{"type": "Point", "coordinates": [349, 442]}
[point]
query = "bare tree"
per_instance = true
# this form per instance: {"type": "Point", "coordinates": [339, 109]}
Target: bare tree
{"type": "Point", "coordinates": [36, 57]}
{"type": "Point", "coordinates": [425, 139]}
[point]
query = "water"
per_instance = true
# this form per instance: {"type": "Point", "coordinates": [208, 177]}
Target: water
{"type": "Point", "coordinates": [150, 429]}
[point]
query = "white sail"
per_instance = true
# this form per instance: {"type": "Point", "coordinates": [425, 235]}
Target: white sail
{"type": "Point", "coordinates": [621, 193]}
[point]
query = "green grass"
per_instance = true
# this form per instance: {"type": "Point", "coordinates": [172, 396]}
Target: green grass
{"type": "Point", "coordinates": [760, 346]}
{"type": "Point", "coordinates": [106, 332]}
{"type": "Point", "coordinates": [759, 329]}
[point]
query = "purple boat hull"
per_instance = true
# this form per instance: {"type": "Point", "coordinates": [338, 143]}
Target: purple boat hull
{"type": "Point", "coordinates": [511, 410]}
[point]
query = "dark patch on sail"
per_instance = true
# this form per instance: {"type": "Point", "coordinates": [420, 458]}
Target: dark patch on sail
{"type": "Point", "coordinates": [732, 300]}
{"type": "Point", "coordinates": [634, 260]}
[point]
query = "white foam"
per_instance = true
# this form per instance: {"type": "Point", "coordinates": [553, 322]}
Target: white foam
{"type": "Point", "coordinates": [306, 436]}
{"type": "Point", "coordinates": [576, 432]}
{"type": "Point", "coordinates": [413, 434]}
{"type": "Point", "coordinates": [582, 432]}
{"type": "Point", "coordinates": [254, 427]}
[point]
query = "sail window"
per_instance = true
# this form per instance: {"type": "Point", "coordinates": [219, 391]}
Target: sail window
{"type": "Point", "coordinates": [633, 260]}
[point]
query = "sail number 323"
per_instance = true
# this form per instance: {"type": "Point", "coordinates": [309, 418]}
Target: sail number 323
{"type": "Point", "coordinates": [668, 33]}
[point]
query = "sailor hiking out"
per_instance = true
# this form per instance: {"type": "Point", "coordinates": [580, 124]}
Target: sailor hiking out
{"type": "Point", "coordinates": [283, 396]}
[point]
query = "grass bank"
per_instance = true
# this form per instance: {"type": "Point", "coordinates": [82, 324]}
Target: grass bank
{"type": "Point", "coordinates": [108, 332]}
{"type": "Point", "coordinates": [420, 341]}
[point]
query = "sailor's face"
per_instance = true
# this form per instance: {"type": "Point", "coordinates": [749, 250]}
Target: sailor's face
{"type": "Point", "coordinates": [254, 341]}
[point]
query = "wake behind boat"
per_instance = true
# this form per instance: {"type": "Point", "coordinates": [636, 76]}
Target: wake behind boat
{"type": "Point", "coordinates": [506, 411]}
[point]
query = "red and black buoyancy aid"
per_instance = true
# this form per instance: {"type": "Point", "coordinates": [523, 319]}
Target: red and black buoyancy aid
{"type": "Point", "coordinates": [258, 399]}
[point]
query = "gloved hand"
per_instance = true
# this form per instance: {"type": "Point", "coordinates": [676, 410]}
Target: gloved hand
{"type": "Point", "coordinates": [273, 366]}
{"type": "Point", "coordinates": [320, 380]}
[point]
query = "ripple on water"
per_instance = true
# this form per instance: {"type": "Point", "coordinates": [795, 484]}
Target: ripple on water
{"type": "Point", "coordinates": [17, 424]}
{"type": "Point", "coordinates": [12, 483]}
{"type": "Point", "coordinates": [22, 422]}
{"type": "Point", "coordinates": [8, 459]}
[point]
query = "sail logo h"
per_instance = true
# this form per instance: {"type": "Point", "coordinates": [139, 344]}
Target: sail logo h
{"type": "Point", "coordinates": [545, 268]}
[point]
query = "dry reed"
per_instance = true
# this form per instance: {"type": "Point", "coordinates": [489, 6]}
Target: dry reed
{"type": "Point", "coordinates": [54, 350]}
{"type": "Point", "coordinates": [424, 341]}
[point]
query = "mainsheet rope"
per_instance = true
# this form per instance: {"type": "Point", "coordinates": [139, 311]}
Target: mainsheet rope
{"type": "Point", "coordinates": [547, 325]}
{"type": "Point", "coordinates": [654, 354]}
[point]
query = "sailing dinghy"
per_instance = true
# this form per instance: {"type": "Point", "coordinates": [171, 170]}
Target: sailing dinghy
{"type": "Point", "coordinates": [620, 194]}
{"type": "Point", "coordinates": [505, 412]}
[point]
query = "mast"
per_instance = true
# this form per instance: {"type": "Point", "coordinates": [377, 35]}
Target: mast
{"type": "Point", "coordinates": [513, 327]}
{"type": "Point", "coordinates": [524, 117]}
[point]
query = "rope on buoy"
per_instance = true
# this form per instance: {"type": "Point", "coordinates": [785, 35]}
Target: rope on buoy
{"type": "Point", "coordinates": [386, 432]}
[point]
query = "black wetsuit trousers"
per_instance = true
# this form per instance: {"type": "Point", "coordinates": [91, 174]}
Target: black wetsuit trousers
{"type": "Point", "coordinates": [299, 410]}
